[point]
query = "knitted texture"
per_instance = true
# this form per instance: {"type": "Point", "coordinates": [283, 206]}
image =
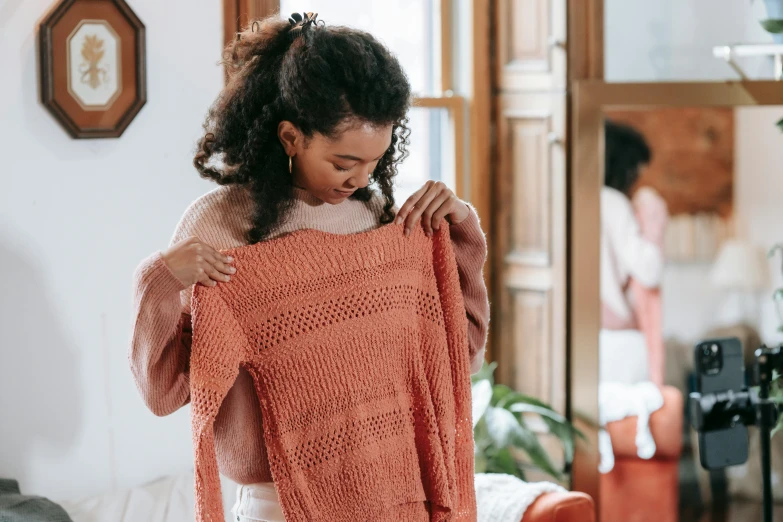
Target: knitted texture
{"type": "Point", "coordinates": [505, 498]}
{"type": "Point", "coordinates": [159, 352]}
{"type": "Point", "coordinates": [357, 347]}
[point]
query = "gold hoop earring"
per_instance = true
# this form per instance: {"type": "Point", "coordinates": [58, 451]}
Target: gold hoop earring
{"type": "Point", "coordinates": [290, 164]}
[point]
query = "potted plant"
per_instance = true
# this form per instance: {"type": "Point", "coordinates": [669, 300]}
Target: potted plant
{"type": "Point", "coordinates": [776, 390]}
{"type": "Point", "coordinates": [777, 296]}
{"type": "Point", "coordinates": [773, 21]}
{"type": "Point", "coordinates": [505, 442]}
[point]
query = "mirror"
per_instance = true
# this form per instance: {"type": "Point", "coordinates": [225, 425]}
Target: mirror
{"type": "Point", "coordinates": [676, 194]}
{"type": "Point", "coordinates": [713, 280]}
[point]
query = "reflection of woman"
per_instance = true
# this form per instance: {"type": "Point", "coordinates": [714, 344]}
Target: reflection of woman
{"type": "Point", "coordinates": [631, 254]}
{"type": "Point", "coordinates": [312, 116]}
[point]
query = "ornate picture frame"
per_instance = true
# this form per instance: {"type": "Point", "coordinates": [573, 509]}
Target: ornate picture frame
{"type": "Point", "coordinates": [92, 66]}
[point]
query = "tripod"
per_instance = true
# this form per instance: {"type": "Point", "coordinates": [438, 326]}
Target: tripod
{"type": "Point", "coordinates": [767, 360]}
{"type": "Point", "coordinates": [725, 410]}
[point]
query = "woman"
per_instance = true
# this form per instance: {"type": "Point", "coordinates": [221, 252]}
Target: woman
{"type": "Point", "coordinates": [308, 133]}
{"type": "Point", "coordinates": [631, 254]}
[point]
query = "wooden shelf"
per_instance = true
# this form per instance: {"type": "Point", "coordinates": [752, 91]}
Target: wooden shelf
{"type": "Point", "coordinates": [730, 52]}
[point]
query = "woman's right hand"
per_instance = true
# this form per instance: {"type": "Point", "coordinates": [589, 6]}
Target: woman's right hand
{"type": "Point", "coordinates": [192, 261]}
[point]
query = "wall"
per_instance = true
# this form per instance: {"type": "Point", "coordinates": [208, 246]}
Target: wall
{"type": "Point", "coordinates": [664, 40]}
{"type": "Point", "coordinates": [691, 304]}
{"type": "Point", "coordinates": [759, 196]}
{"type": "Point", "coordinates": [76, 217]}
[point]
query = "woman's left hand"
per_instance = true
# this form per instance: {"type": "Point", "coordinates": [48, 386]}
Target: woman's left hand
{"type": "Point", "coordinates": [432, 202]}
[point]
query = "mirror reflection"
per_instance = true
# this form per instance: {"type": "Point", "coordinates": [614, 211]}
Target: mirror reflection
{"type": "Point", "coordinates": [688, 212]}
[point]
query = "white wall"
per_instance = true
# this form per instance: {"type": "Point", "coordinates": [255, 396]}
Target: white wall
{"type": "Point", "coordinates": [663, 40]}
{"type": "Point", "coordinates": [689, 301]}
{"type": "Point", "coordinates": [76, 216]}
{"type": "Point", "coordinates": [691, 305]}
{"type": "Point", "coordinates": [758, 195]}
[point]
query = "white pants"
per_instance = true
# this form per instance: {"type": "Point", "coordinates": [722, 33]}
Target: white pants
{"type": "Point", "coordinates": [622, 357]}
{"type": "Point", "coordinates": [258, 503]}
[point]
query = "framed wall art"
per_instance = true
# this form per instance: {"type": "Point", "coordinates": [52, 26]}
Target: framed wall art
{"type": "Point", "coordinates": [92, 66]}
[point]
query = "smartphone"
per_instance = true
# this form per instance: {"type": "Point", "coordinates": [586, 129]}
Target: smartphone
{"type": "Point", "coordinates": [720, 367]}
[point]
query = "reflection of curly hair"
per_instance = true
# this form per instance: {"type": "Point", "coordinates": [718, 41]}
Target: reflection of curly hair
{"type": "Point", "coordinates": [325, 77]}
{"type": "Point", "coordinates": [626, 151]}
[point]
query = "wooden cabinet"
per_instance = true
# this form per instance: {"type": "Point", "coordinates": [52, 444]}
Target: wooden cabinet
{"type": "Point", "coordinates": [529, 237]}
{"type": "Point", "coordinates": [531, 40]}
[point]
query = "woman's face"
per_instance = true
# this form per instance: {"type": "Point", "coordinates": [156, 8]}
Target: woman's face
{"type": "Point", "coordinates": [331, 169]}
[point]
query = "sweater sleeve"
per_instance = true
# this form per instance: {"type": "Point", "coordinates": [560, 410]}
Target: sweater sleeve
{"type": "Point", "coordinates": [641, 258]}
{"type": "Point", "coordinates": [217, 351]}
{"type": "Point", "coordinates": [470, 252]}
{"type": "Point", "coordinates": [160, 342]}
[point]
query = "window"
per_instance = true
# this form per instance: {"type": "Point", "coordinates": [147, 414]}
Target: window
{"type": "Point", "coordinates": [407, 27]}
{"type": "Point", "coordinates": [414, 30]}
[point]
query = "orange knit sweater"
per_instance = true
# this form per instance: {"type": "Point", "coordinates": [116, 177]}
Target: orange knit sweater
{"type": "Point", "coordinates": [358, 351]}
{"type": "Point", "coordinates": [159, 352]}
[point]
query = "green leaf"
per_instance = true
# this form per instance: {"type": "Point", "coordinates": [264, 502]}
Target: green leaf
{"type": "Point", "coordinates": [485, 373]}
{"type": "Point", "coordinates": [777, 399]}
{"type": "Point", "coordinates": [531, 400]}
{"type": "Point", "coordinates": [548, 413]}
{"type": "Point", "coordinates": [505, 397]}
{"type": "Point", "coordinates": [482, 395]}
{"type": "Point", "coordinates": [480, 461]}
{"type": "Point", "coordinates": [566, 436]}
{"type": "Point", "coordinates": [500, 393]}
{"type": "Point", "coordinates": [527, 441]}
{"type": "Point", "coordinates": [778, 295]}
{"type": "Point", "coordinates": [501, 433]}
{"type": "Point", "coordinates": [557, 424]}
{"type": "Point", "coordinates": [504, 462]}
{"type": "Point", "coordinates": [778, 427]}
{"type": "Point", "coordinates": [502, 426]}
{"type": "Point", "coordinates": [481, 436]}
{"type": "Point", "coordinates": [780, 124]}
{"type": "Point", "coordinates": [772, 25]}
{"type": "Point", "coordinates": [504, 429]}
{"type": "Point", "coordinates": [551, 419]}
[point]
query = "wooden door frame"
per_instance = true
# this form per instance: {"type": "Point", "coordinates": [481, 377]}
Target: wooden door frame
{"type": "Point", "coordinates": [585, 40]}
{"type": "Point", "coordinates": [590, 100]}
{"type": "Point", "coordinates": [585, 63]}
{"type": "Point", "coordinates": [238, 13]}
{"type": "Point", "coordinates": [482, 123]}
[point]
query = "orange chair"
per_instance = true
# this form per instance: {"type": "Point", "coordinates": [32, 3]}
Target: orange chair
{"type": "Point", "coordinates": [638, 490]}
{"type": "Point", "coordinates": [561, 507]}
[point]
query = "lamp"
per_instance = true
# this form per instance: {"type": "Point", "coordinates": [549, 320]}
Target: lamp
{"type": "Point", "coordinates": [740, 270]}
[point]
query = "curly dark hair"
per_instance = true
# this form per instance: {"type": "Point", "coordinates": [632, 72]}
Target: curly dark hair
{"type": "Point", "coordinates": [317, 77]}
{"type": "Point", "coordinates": [625, 151]}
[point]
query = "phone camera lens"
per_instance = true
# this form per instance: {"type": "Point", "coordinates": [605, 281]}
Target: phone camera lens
{"type": "Point", "coordinates": [710, 358]}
